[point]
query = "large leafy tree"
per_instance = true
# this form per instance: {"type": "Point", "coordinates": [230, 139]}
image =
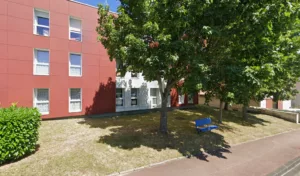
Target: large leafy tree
{"type": "Point", "coordinates": [251, 51]}
{"type": "Point", "coordinates": [157, 38]}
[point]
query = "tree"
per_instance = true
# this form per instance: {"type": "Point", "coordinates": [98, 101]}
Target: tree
{"type": "Point", "coordinates": [253, 51]}
{"type": "Point", "coordinates": [157, 38]}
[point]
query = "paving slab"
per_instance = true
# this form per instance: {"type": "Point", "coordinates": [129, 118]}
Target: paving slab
{"type": "Point", "coordinates": [260, 157]}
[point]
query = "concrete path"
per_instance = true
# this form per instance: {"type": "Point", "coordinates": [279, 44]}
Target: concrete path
{"type": "Point", "coordinates": [260, 157]}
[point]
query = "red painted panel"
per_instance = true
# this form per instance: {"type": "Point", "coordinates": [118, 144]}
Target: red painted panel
{"type": "Point", "coordinates": [44, 4]}
{"type": "Point", "coordinates": [20, 11]}
{"type": "Point", "coordinates": [75, 10]}
{"type": "Point", "coordinates": [3, 66]}
{"type": "Point", "coordinates": [20, 25]}
{"type": "Point", "coordinates": [89, 13]}
{"type": "Point", "coordinates": [269, 103]}
{"type": "Point", "coordinates": [22, 96]}
{"type": "Point", "coordinates": [41, 42]}
{"type": "Point", "coordinates": [3, 37]}
{"type": "Point", "coordinates": [3, 51]}
{"type": "Point", "coordinates": [3, 7]}
{"type": "Point", "coordinates": [3, 22]}
{"type": "Point", "coordinates": [40, 81]}
{"type": "Point", "coordinates": [59, 19]}
{"type": "Point", "coordinates": [90, 36]}
{"type": "Point", "coordinates": [19, 81]}
{"type": "Point", "coordinates": [90, 48]}
{"type": "Point", "coordinates": [91, 71]}
{"type": "Point", "coordinates": [59, 44]}
{"type": "Point", "coordinates": [24, 2]}
{"type": "Point", "coordinates": [57, 69]}
{"type": "Point", "coordinates": [20, 67]}
{"type": "Point", "coordinates": [57, 56]}
{"type": "Point", "coordinates": [60, 32]}
{"type": "Point", "coordinates": [89, 25]}
{"type": "Point", "coordinates": [3, 81]}
{"type": "Point", "coordinates": [280, 105]}
{"type": "Point", "coordinates": [19, 39]}
{"type": "Point", "coordinates": [4, 97]}
{"type": "Point", "coordinates": [20, 53]}
{"type": "Point", "coordinates": [60, 6]}
{"type": "Point", "coordinates": [91, 59]}
{"type": "Point", "coordinates": [75, 46]}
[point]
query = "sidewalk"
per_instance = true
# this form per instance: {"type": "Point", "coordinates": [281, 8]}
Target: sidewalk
{"type": "Point", "coordinates": [259, 157]}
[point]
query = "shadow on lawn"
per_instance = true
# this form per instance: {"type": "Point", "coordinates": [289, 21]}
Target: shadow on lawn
{"type": "Point", "coordinates": [141, 130]}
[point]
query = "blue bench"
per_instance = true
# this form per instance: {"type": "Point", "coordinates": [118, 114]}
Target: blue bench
{"type": "Point", "coordinates": [204, 125]}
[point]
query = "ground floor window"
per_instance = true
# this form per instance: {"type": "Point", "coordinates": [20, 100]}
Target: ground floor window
{"type": "Point", "coordinates": [191, 98]}
{"type": "Point", "coordinates": [181, 99]}
{"type": "Point", "coordinates": [153, 95]}
{"type": "Point", "coordinates": [134, 97]}
{"type": "Point", "coordinates": [41, 100]}
{"type": "Point", "coordinates": [119, 97]}
{"type": "Point", "coordinates": [75, 100]}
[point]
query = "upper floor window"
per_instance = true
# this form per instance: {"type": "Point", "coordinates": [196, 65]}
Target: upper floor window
{"type": "Point", "coordinates": [41, 100]}
{"type": "Point", "coordinates": [134, 75]}
{"type": "Point", "coordinates": [75, 65]}
{"type": "Point", "coordinates": [75, 29]}
{"type": "Point", "coordinates": [41, 62]}
{"type": "Point", "coordinates": [41, 23]}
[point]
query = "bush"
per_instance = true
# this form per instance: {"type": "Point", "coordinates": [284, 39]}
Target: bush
{"type": "Point", "coordinates": [18, 132]}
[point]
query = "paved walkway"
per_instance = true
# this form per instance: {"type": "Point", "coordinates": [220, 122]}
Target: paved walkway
{"type": "Point", "coordinates": [255, 158]}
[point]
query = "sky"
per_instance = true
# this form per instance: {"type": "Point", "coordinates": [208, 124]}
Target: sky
{"type": "Point", "coordinates": [113, 4]}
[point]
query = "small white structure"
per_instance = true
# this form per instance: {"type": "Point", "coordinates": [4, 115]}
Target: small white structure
{"type": "Point", "coordinates": [134, 93]}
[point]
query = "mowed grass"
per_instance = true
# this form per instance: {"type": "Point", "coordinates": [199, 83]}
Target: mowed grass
{"type": "Point", "coordinates": [108, 145]}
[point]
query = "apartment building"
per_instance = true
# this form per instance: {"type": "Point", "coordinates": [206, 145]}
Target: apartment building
{"type": "Point", "coordinates": [50, 59]}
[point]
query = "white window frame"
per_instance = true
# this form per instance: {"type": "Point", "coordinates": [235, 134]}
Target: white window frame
{"type": "Point", "coordinates": [35, 101]}
{"type": "Point", "coordinates": [120, 98]}
{"type": "Point", "coordinates": [134, 98]}
{"type": "Point", "coordinates": [75, 18]}
{"type": "Point", "coordinates": [154, 97]}
{"type": "Point", "coordinates": [35, 63]}
{"type": "Point", "coordinates": [35, 23]}
{"type": "Point", "coordinates": [75, 66]}
{"type": "Point", "coordinates": [70, 101]}
{"type": "Point", "coordinates": [180, 96]}
{"type": "Point", "coordinates": [192, 101]}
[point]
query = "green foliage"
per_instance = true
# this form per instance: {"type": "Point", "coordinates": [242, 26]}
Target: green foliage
{"type": "Point", "coordinates": [18, 132]}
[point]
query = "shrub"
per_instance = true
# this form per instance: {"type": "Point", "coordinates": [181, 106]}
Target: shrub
{"type": "Point", "coordinates": [18, 132]}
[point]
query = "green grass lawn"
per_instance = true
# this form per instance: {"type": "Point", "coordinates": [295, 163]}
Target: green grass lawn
{"type": "Point", "coordinates": [108, 145]}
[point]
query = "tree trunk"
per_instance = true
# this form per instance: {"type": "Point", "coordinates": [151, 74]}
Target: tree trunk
{"type": "Point", "coordinates": [221, 111]}
{"type": "Point", "coordinates": [226, 106]}
{"type": "Point", "coordinates": [245, 116]}
{"type": "Point", "coordinates": [163, 128]}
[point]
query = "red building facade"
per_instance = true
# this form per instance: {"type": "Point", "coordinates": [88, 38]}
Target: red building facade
{"type": "Point", "coordinates": [50, 58]}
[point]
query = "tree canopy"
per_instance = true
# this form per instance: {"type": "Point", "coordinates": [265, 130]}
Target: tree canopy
{"type": "Point", "coordinates": [229, 48]}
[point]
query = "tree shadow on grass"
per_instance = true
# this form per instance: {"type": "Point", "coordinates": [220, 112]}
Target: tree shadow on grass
{"type": "Point", "coordinates": [142, 130]}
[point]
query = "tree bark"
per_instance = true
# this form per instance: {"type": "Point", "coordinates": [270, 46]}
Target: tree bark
{"type": "Point", "coordinates": [163, 128]}
{"type": "Point", "coordinates": [245, 116]}
{"type": "Point", "coordinates": [221, 111]}
{"type": "Point", "coordinates": [226, 106]}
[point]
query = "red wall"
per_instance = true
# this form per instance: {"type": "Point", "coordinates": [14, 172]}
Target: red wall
{"type": "Point", "coordinates": [175, 101]}
{"type": "Point", "coordinates": [17, 42]}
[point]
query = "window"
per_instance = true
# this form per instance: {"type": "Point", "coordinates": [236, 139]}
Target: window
{"type": "Point", "coordinates": [75, 65]}
{"type": "Point", "coordinates": [41, 23]}
{"type": "Point", "coordinates": [41, 62]}
{"type": "Point", "coordinates": [153, 95]}
{"type": "Point", "coordinates": [134, 97]}
{"type": "Point", "coordinates": [75, 100]}
{"type": "Point", "coordinates": [134, 75]}
{"type": "Point", "coordinates": [41, 100]}
{"type": "Point", "coordinates": [191, 98]}
{"type": "Point", "coordinates": [181, 99]}
{"type": "Point", "coordinates": [119, 97]}
{"type": "Point", "coordinates": [75, 29]}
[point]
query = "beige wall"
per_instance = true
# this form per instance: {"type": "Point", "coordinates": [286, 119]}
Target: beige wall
{"type": "Point", "coordinates": [216, 103]}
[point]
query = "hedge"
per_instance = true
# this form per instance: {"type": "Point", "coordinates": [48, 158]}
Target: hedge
{"type": "Point", "coordinates": [18, 132]}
